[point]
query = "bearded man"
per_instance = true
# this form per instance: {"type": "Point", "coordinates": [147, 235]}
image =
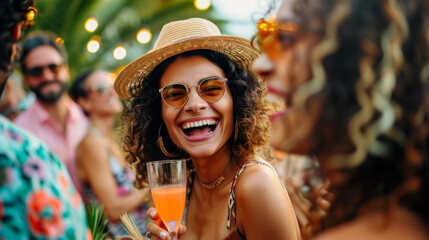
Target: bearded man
{"type": "Point", "coordinates": [53, 117]}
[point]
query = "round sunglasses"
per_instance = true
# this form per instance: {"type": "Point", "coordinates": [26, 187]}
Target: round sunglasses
{"type": "Point", "coordinates": [210, 89]}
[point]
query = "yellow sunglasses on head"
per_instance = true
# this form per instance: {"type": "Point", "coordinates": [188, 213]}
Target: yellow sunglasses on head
{"type": "Point", "coordinates": [274, 36]}
{"type": "Point", "coordinates": [268, 35]}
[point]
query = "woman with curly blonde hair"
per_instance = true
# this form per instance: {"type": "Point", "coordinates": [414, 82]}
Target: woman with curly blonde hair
{"type": "Point", "coordinates": [354, 75]}
{"type": "Point", "coordinates": [192, 97]}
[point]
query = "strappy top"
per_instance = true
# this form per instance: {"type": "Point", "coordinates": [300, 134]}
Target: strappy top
{"type": "Point", "coordinates": [231, 200]}
{"type": "Point", "coordinates": [124, 181]}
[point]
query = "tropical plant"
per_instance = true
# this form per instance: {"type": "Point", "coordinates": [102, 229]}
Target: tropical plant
{"type": "Point", "coordinates": [97, 221]}
{"type": "Point", "coordinates": [118, 23]}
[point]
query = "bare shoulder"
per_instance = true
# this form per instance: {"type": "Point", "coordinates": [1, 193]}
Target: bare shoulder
{"type": "Point", "coordinates": [90, 147]}
{"type": "Point", "coordinates": [259, 184]}
{"type": "Point", "coordinates": [261, 199]}
{"type": "Point", "coordinates": [257, 177]}
{"type": "Point", "coordinates": [90, 143]}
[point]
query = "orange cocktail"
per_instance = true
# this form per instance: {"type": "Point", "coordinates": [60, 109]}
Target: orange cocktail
{"type": "Point", "coordinates": [167, 180]}
{"type": "Point", "coordinates": [170, 203]}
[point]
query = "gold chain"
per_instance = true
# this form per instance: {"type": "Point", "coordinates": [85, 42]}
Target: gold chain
{"type": "Point", "coordinates": [216, 183]}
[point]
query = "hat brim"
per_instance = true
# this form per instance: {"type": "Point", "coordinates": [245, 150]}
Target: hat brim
{"type": "Point", "coordinates": [238, 49]}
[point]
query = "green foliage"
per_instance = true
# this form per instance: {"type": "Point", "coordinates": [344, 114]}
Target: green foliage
{"type": "Point", "coordinates": [97, 221]}
{"type": "Point", "coordinates": [119, 22]}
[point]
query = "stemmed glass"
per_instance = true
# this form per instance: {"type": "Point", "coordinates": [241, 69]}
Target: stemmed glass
{"type": "Point", "coordinates": [167, 180]}
{"type": "Point", "coordinates": [306, 183]}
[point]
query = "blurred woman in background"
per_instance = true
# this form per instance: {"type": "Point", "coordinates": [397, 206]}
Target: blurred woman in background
{"type": "Point", "coordinates": [354, 75]}
{"type": "Point", "coordinates": [99, 160]}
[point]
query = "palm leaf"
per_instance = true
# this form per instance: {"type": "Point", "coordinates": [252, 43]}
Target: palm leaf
{"type": "Point", "coordinates": [97, 221]}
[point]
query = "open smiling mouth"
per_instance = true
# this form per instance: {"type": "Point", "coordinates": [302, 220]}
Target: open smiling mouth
{"type": "Point", "coordinates": [199, 128]}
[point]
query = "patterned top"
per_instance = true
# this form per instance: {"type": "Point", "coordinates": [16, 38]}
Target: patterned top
{"type": "Point", "coordinates": [124, 178]}
{"type": "Point", "coordinates": [37, 198]}
{"type": "Point", "coordinates": [124, 181]}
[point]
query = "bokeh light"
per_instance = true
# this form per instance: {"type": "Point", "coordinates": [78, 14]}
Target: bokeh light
{"type": "Point", "coordinates": [91, 24]}
{"type": "Point", "coordinates": [93, 46]}
{"type": "Point", "coordinates": [144, 36]}
{"type": "Point", "coordinates": [202, 4]}
{"type": "Point", "coordinates": [59, 40]}
{"type": "Point", "coordinates": [119, 53]}
{"type": "Point", "coordinates": [111, 77]}
{"type": "Point", "coordinates": [31, 13]}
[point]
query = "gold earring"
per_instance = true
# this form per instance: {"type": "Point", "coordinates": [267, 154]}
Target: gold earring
{"type": "Point", "coordinates": [161, 146]}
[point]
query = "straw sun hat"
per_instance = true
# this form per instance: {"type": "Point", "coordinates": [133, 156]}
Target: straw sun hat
{"type": "Point", "coordinates": [182, 36]}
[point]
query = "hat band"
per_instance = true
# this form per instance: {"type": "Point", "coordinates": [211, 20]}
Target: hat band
{"type": "Point", "coordinates": [183, 39]}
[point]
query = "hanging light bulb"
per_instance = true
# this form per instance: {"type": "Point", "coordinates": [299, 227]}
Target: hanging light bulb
{"type": "Point", "coordinates": [120, 52]}
{"type": "Point", "coordinates": [93, 44]}
{"type": "Point", "coordinates": [111, 77]}
{"type": "Point", "coordinates": [59, 40]}
{"type": "Point", "coordinates": [91, 24]}
{"type": "Point", "coordinates": [202, 4]}
{"type": "Point", "coordinates": [144, 36]}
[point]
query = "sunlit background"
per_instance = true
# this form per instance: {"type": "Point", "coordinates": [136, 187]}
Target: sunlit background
{"type": "Point", "coordinates": [108, 34]}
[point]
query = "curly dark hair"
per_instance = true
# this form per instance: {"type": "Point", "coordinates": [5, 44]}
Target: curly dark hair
{"type": "Point", "coordinates": [12, 12]}
{"type": "Point", "coordinates": [142, 115]}
{"type": "Point", "coordinates": [37, 39]}
{"type": "Point", "coordinates": [372, 66]}
{"type": "Point", "coordinates": [77, 88]}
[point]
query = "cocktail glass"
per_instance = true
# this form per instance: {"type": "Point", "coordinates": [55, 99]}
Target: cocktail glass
{"type": "Point", "coordinates": [167, 180]}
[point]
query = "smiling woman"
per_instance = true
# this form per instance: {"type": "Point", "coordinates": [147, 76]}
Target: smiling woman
{"type": "Point", "coordinates": [192, 97]}
{"type": "Point", "coordinates": [100, 164]}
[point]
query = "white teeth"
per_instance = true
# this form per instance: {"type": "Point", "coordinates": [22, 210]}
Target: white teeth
{"type": "Point", "coordinates": [199, 123]}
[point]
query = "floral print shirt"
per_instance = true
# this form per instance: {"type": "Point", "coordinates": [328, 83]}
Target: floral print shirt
{"type": "Point", "coordinates": [37, 198]}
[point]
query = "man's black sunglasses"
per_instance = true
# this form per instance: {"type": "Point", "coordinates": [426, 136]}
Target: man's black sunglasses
{"type": "Point", "coordinates": [38, 70]}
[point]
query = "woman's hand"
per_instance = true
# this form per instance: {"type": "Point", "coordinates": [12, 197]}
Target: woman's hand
{"type": "Point", "coordinates": [309, 210]}
{"type": "Point", "coordinates": [157, 229]}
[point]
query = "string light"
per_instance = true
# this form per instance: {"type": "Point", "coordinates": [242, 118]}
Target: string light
{"type": "Point", "coordinates": [91, 24]}
{"type": "Point", "coordinates": [144, 36]}
{"type": "Point", "coordinates": [93, 44]}
{"type": "Point", "coordinates": [59, 40]}
{"type": "Point", "coordinates": [111, 77]}
{"type": "Point", "coordinates": [202, 4]}
{"type": "Point", "coordinates": [119, 53]}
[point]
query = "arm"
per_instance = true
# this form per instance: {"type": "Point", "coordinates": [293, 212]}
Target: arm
{"type": "Point", "coordinates": [264, 210]}
{"type": "Point", "coordinates": [92, 161]}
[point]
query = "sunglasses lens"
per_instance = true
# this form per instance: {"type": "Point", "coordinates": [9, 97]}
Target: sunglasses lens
{"type": "Point", "coordinates": [54, 68]}
{"type": "Point", "coordinates": [35, 71]}
{"type": "Point", "coordinates": [265, 29]}
{"type": "Point", "coordinates": [267, 38]}
{"type": "Point", "coordinates": [174, 95]}
{"type": "Point", "coordinates": [101, 89]}
{"type": "Point", "coordinates": [212, 90]}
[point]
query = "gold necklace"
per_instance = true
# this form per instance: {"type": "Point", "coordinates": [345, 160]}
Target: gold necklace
{"type": "Point", "coordinates": [216, 183]}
